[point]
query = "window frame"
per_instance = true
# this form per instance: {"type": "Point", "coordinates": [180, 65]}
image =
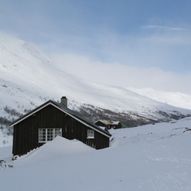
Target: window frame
{"type": "Point", "coordinates": [44, 135]}
{"type": "Point", "coordinates": [90, 134]}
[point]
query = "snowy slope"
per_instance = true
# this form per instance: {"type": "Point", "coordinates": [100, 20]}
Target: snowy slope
{"type": "Point", "coordinates": [5, 139]}
{"type": "Point", "coordinates": [28, 77]}
{"type": "Point", "coordinates": [176, 99]}
{"type": "Point", "coordinates": [151, 157]}
{"type": "Point", "coordinates": [60, 147]}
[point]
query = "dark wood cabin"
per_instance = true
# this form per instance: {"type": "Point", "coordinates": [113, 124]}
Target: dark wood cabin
{"type": "Point", "coordinates": [108, 124]}
{"type": "Point", "coordinates": [51, 119]}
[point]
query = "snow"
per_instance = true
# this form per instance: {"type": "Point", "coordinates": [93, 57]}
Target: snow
{"type": "Point", "coordinates": [176, 99]}
{"type": "Point", "coordinates": [20, 89]}
{"type": "Point", "coordinates": [109, 122]}
{"type": "Point", "coordinates": [150, 157]}
{"type": "Point", "coordinates": [59, 147]}
{"type": "Point", "coordinates": [5, 140]}
{"type": "Point", "coordinates": [6, 153]}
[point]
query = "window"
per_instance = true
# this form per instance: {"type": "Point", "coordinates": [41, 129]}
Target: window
{"type": "Point", "coordinates": [48, 134]}
{"type": "Point", "coordinates": [41, 135]}
{"type": "Point", "coordinates": [90, 134]}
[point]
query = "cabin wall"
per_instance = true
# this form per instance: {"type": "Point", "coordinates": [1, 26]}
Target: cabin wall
{"type": "Point", "coordinates": [25, 136]}
{"type": "Point", "coordinates": [101, 141]}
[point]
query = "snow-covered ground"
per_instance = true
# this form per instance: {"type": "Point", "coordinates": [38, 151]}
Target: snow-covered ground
{"type": "Point", "coordinates": [5, 138]}
{"type": "Point", "coordinates": [150, 158]}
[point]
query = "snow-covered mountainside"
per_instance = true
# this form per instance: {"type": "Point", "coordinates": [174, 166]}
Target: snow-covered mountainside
{"type": "Point", "coordinates": [28, 78]}
{"type": "Point", "coordinates": [176, 99]}
{"type": "Point", "coordinates": [150, 157]}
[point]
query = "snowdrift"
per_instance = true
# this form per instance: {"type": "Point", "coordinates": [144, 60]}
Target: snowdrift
{"type": "Point", "coordinates": [58, 148]}
{"type": "Point", "coordinates": [151, 157]}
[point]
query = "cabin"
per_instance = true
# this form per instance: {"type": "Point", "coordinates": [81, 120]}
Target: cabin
{"type": "Point", "coordinates": [53, 119]}
{"type": "Point", "coordinates": [108, 124]}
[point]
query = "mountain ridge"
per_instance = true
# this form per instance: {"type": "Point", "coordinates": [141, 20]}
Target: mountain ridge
{"type": "Point", "coordinates": [29, 77]}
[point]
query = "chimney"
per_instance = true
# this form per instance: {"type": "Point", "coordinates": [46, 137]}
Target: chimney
{"type": "Point", "coordinates": [64, 101]}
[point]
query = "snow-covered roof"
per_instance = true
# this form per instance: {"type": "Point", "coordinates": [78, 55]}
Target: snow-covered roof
{"type": "Point", "coordinates": [109, 122]}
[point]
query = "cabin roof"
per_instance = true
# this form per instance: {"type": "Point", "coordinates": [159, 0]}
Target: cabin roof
{"type": "Point", "coordinates": [65, 110]}
{"type": "Point", "coordinates": [108, 122]}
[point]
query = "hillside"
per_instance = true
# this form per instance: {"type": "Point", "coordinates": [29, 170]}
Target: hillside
{"type": "Point", "coordinates": [176, 99]}
{"type": "Point", "coordinates": [29, 78]}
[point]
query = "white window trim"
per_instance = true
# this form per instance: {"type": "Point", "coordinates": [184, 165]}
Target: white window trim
{"type": "Point", "coordinates": [90, 134]}
{"type": "Point", "coordinates": [46, 134]}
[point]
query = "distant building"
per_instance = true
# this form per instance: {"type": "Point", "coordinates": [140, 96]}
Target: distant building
{"type": "Point", "coordinates": [51, 119]}
{"type": "Point", "coordinates": [108, 124]}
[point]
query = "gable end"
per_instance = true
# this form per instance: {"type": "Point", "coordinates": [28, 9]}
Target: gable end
{"type": "Point", "coordinates": [62, 110]}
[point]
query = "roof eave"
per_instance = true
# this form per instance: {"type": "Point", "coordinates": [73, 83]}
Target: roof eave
{"type": "Point", "coordinates": [50, 102]}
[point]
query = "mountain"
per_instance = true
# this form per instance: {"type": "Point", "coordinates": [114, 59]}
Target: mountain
{"type": "Point", "coordinates": [176, 99]}
{"type": "Point", "coordinates": [29, 78]}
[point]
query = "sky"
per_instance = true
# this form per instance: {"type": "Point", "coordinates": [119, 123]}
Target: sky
{"type": "Point", "coordinates": [135, 36]}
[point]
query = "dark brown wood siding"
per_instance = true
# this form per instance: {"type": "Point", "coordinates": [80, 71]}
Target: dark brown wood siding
{"type": "Point", "coordinates": [25, 136]}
